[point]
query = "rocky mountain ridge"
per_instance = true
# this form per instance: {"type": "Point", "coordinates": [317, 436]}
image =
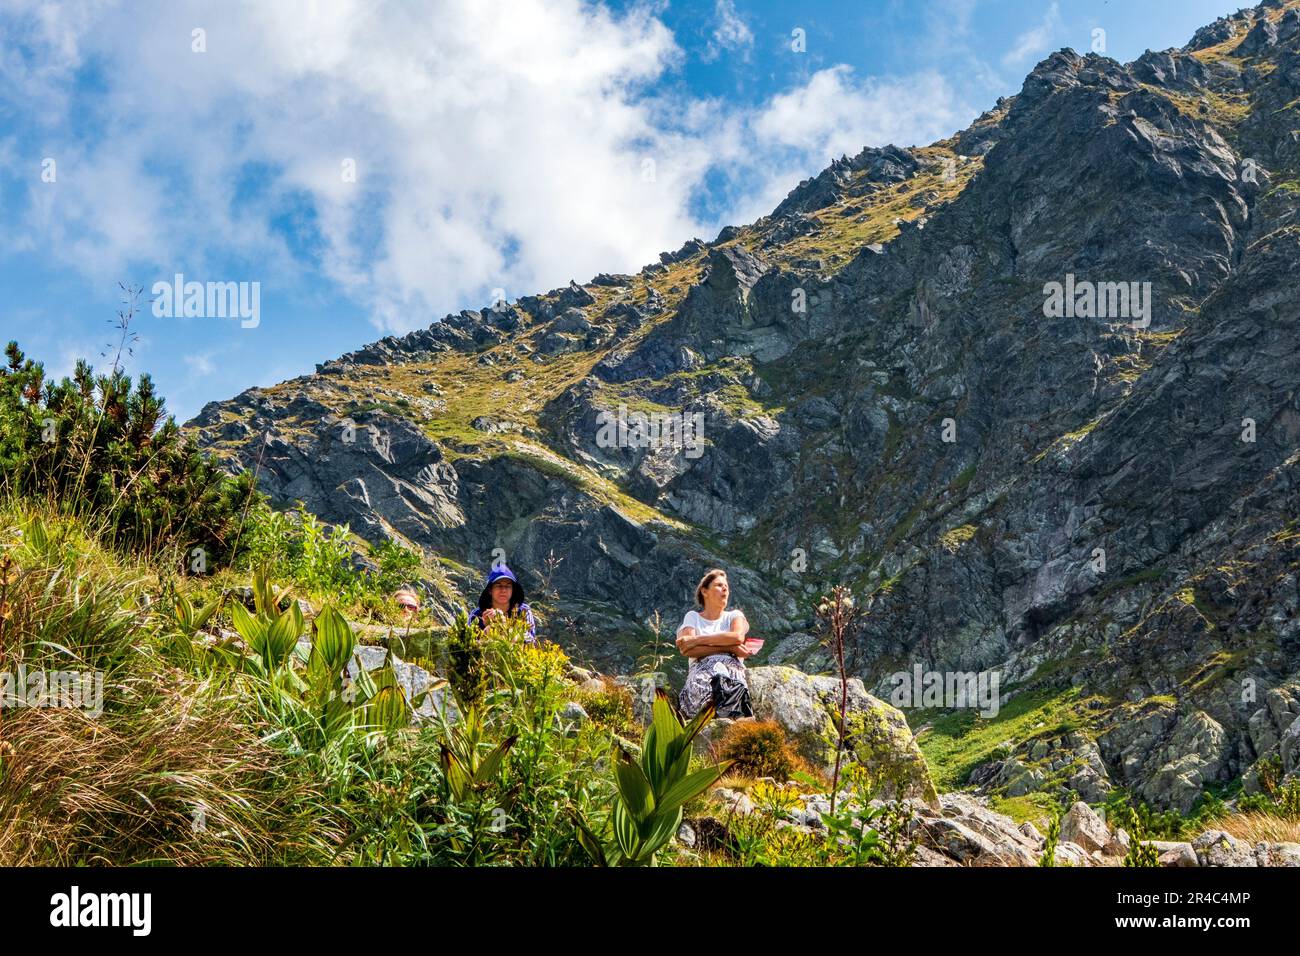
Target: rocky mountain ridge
{"type": "Point", "coordinates": [1101, 508]}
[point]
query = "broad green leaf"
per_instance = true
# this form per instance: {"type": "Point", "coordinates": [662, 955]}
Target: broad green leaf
{"type": "Point", "coordinates": [698, 722]}
{"type": "Point", "coordinates": [454, 772]}
{"type": "Point", "coordinates": [337, 715]}
{"type": "Point", "coordinates": [654, 771]}
{"type": "Point", "coordinates": [633, 788]}
{"type": "Point", "coordinates": [297, 683]}
{"type": "Point", "coordinates": [589, 842]}
{"type": "Point", "coordinates": [665, 826]}
{"type": "Point", "coordinates": [365, 684]}
{"type": "Point", "coordinates": [679, 757]}
{"type": "Point", "coordinates": [333, 640]}
{"type": "Point", "coordinates": [280, 639]}
{"type": "Point", "coordinates": [183, 611]}
{"type": "Point", "coordinates": [667, 730]}
{"type": "Point", "coordinates": [688, 787]}
{"type": "Point", "coordinates": [387, 709]}
{"type": "Point", "coordinates": [263, 601]}
{"type": "Point", "coordinates": [200, 617]}
{"type": "Point", "coordinates": [492, 762]}
{"type": "Point", "coordinates": [625, 832]}
{"type": "Point", "coordinates": [299, 622]}
{"type": "Point", "coordinates": [249, 628]}
{"type": "Point", "coordinates": [385, 676]}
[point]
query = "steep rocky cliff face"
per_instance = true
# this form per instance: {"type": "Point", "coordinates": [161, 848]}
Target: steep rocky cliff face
{"type": "Point", "coordinates": [1095, 498]}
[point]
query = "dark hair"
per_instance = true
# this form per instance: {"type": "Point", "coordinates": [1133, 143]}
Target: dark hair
{"type": "Point", "coordinates": [709, 577]}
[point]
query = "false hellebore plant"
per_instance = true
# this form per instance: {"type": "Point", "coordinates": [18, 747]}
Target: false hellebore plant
{"type": "Point", "coordinates": [651, 791]}
{"type": "Point", "coordinates": [373, 703]}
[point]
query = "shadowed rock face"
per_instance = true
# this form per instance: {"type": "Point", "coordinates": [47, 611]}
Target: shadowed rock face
{"type": "Point", "coordinates": [1100, 501]}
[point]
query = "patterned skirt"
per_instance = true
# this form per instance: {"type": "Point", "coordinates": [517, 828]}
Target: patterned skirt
{"type": "Point", "coordinates": [699, 681]}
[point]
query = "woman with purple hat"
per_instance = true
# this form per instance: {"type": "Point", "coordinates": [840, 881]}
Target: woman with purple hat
{"type": "Point", "coordinates": [503, 596]}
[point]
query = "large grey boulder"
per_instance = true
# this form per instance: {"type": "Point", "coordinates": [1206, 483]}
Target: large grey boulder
{"type": "Point", "coordinates": [877, 734]}
{"type": "Point", "coordinates": [1196, 756]}
{"type": "Point", "coordinates": [967, 831]}
{"type": "Point", "coordinates": [1268, 725]}
{"type": "Point", "coordinates": [1216, 848]}
{"type": "Point", "coordinates": [1174, 853]}
{"type": "Point", "coordinates": [1081, 825]}
{"type": "Point", "coordinates": [1277, 854]}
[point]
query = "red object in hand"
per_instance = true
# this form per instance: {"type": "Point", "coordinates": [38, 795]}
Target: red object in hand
{"type": "Point", "coordinates": [753, 644]}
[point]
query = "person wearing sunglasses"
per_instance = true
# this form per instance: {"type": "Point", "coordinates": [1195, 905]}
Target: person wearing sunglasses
{"type": "Point", "coordinates": [408, 603]}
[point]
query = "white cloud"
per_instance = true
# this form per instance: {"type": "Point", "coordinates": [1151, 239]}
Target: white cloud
{"type": "Point", "coordinates": [731, 33]}
{"type": "Point", "coordinates": [494, 146]}
{"type": "Point", "coordinates": [200, 364]}
{"type": "Point", "coordinates": [1035, 41]}
{"type": "Point", "coordinates": [835, 114]}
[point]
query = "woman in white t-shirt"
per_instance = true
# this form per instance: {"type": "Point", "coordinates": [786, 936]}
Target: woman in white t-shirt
{"type": "Point", "coordinates": [714, 639]}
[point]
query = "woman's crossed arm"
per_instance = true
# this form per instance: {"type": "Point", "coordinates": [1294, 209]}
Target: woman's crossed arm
{"type": "Point", "coordinates": [702, 645]}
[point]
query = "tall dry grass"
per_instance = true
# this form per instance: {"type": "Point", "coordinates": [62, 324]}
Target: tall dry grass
{"type": "Point", "coordinates": [175, 770]}
{"type": "Point", "coordinates": [1258, 827]}
{"type": "Point", "coordinates": [174, 774]}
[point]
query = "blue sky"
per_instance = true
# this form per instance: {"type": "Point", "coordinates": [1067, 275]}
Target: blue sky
{"type": "Point", "coordinates": [374, 166]}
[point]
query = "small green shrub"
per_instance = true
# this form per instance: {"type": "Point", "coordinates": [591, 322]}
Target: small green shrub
{"type": "Point", "coordinates": [398, 566]}
{"type": "Point", "coordinates": [1275, 798]}
{"type": "Point", "coordinates": [1052, 841]}
{"type": "Point", "coordinates": [466, 661]}
{"type": "Point", "coordinates": [864, 835]}
{"type": "Point", "coordinates": [1288, 800]}
{"type": "Point", "coordinates": [1137, 820]}
{"type": "Point", "coordinates": [611, 708]}
{"type": "Point", "coordinates": [1270, 774]}
{"type": "Point", "coordinates": [297, 546]}
{"type": "Point", "coordinates": [857, 833]}
{"type": "Point", "coordinates": [1141, 853]}
{"type": "Point", "coordinates": [1160, 825]}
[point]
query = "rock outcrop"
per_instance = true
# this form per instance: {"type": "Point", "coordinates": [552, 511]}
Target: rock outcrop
{"type": "Point", "coordinates": [961, 830]}
{"type": "Point", "coordinates": [876, 734]}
